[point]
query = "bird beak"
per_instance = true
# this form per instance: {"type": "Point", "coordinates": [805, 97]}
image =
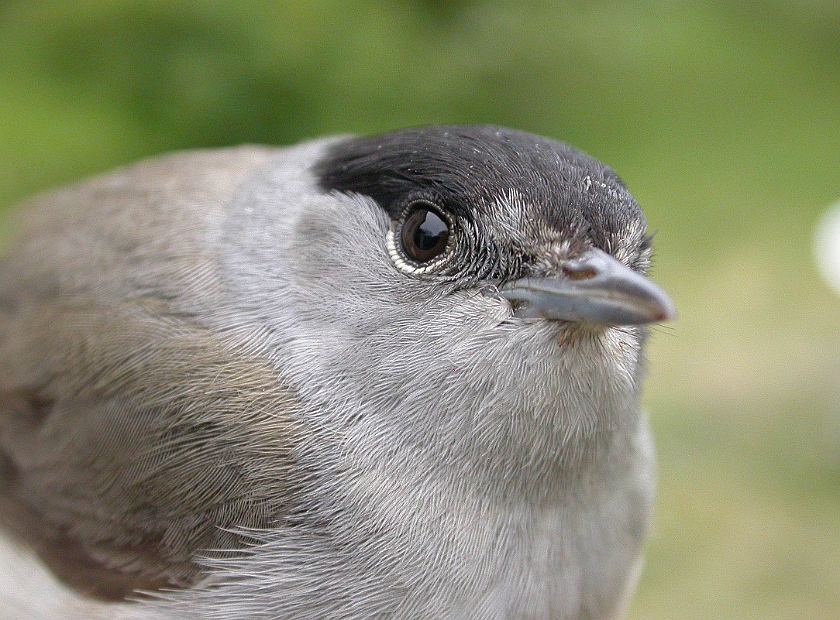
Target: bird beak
{"type": "Point", "coordinates": [593, 288]}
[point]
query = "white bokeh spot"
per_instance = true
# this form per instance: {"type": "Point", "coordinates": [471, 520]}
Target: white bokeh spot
{"type": "Point", "coordinates": [827, 247]}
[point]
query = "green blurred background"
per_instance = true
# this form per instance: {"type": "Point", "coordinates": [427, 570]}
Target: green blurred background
{"type": "Point", "coordinates": [723, 118]}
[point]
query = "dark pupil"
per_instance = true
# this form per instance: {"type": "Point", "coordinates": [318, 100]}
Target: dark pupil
{"type": "Point", "coordinates": [424, 235]}
{"type": "Point", "coordinates": [429, 233]}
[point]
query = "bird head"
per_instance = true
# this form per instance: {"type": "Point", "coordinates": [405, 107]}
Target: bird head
{"type": "Point", "coordinates": [465, 290]}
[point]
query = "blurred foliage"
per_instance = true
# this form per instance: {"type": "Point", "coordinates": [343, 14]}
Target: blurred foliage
{"type": "Point", "coordinates": [724, 119]}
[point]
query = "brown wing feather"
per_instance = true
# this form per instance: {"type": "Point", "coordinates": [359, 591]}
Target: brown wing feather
{"type": "Point", "coordinates": [126, 457]}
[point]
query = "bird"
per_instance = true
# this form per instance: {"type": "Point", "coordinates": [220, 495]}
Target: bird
{"type": "Point", "coordinates": [364, 376]}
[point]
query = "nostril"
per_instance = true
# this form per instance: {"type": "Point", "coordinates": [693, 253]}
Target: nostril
{"type": "Point", "coordinates": [579, 271]}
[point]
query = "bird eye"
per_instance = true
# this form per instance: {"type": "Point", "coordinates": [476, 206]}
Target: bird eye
{"type": "Point", "coordinates": [425, 233]}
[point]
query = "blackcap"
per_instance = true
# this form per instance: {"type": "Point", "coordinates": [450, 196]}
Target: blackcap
{"type": "Point", "coordinates": [363, 377]}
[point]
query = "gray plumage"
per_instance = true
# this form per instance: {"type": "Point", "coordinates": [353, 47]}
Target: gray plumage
{"type": "Point", "coordinates": [224, 381]}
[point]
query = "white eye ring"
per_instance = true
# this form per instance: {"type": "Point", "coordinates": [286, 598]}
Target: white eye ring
{"type": "Point", "coordinates": [394, 241]}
